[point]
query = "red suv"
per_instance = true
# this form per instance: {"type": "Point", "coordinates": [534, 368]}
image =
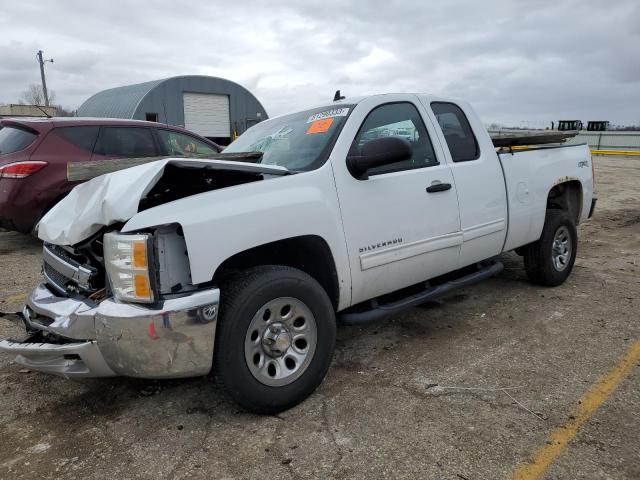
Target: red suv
{"type": "Point", "coordinates": [34, 154]}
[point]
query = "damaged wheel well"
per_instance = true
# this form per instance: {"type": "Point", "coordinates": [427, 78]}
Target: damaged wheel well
{"type": "Point", "coordinates": [566, 196]}
{"type": "Point", "coordinates": [309, 253]}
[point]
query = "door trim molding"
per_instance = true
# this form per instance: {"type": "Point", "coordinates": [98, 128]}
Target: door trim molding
{"type": "Point", "coordinates": [401, 252]}
{"type": "Point", "coordinates": [471, 233]}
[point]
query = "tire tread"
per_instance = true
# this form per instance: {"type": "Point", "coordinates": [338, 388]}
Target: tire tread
{"type": "Point", "coordinates": [537, 256]}
{"type": "Point", "coordinates": [234, 290]}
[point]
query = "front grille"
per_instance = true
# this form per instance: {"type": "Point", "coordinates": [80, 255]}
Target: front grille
{"type": "Point", "coordinates": [66, 273]}
{"type": "Point", "coordinates": [62, 253]}
{"type": "Point", "coordinates": [55, 278]}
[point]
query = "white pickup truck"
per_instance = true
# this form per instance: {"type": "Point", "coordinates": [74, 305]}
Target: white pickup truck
{"type": "Point", "coordinates": [243, 264]}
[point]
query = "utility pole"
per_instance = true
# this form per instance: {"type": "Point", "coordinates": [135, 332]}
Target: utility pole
{"type": "Point", "coordinates": [44, 82]}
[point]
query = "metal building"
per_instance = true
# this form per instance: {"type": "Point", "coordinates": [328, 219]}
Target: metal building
{"type": "Point", "coordinates": [213, 107]}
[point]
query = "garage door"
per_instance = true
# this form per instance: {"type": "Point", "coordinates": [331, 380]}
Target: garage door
{"type": "Point", "coordinates": [207, 114]}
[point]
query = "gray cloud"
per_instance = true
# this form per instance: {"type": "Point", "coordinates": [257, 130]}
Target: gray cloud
{"type": "Point", "coordinates": [515, 61]}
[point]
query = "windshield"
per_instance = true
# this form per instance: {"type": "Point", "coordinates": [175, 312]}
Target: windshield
{"type": "Point", "coordinates": [297, 141]}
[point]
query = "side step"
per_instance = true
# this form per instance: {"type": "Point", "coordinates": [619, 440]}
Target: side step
{"type": "Point", "coordinates": [383, 311]}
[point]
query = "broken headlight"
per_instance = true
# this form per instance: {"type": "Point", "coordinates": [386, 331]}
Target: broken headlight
{"type": "Point", "coordinates": [127, 260]}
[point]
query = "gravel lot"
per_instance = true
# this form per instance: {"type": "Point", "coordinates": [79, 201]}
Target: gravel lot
{"type": "Point", "coordinates": [382, 412]}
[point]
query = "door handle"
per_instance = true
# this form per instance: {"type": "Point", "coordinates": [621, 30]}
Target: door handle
{"type": "Point", "coordinates": [438, 187]}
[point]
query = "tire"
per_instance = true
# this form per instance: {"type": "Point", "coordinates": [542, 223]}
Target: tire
{"type": "Point", "coordinates": [260, 347]}
{"type": "Point", "coordinates": [547, 263]}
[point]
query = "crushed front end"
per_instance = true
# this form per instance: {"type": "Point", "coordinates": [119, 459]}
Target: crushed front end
{"type": "Point", "coordinates": [149, 322]}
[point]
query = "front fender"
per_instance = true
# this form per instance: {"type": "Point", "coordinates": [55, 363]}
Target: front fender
{"type": "Point", "coordinates": [222, 223]}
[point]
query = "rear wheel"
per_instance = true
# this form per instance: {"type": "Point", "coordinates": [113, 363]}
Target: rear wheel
{"type": "Point", "coordinates": [275, 340]}
{"type": "Point", "coordinates": [549, 261]}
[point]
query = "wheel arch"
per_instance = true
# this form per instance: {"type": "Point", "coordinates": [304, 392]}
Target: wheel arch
{"type": "Point", "coordinates": [567, 196]}
{"type": "Point", "coordinates": [309, 253]}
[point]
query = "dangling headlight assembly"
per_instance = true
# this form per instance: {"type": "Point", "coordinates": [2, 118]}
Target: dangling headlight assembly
{"type": "Point", "coordinates": [128, 262]}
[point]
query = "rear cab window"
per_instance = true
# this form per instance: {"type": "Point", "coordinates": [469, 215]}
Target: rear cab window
{"type": "Point", "coordinates": [131, 142]}
{"type": "Point", "coordinates": [13, 139]}
{"type": "Point", "coordinates": [457, 131]}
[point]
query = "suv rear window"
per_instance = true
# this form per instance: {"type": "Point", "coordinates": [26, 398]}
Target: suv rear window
{"type": "Point", "coordinates": [13, 139]}
{"type": "Point", "coordinates": [126, 142]}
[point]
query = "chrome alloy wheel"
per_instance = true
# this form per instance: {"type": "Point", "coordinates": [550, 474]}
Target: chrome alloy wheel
{"type": "Point", "coordinates": [280, 341]}
{"type": "Point", "coordinates": [561, 249]}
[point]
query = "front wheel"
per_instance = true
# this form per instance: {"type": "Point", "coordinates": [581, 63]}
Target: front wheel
{"type": "Point", "coordinates": [549, 261]}
{"type": "Point", "coordinates": [275, 340]}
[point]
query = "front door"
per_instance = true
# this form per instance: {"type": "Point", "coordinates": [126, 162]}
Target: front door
{"type": "Point", "coordinates": [402, 224]}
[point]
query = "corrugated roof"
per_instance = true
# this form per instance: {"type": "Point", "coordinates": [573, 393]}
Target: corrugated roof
{"type": "Point", "coordinates": [119, 102]}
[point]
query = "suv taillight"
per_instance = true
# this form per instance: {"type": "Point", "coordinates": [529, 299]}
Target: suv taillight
{"type": "Point", "coordinates": [21, 169]}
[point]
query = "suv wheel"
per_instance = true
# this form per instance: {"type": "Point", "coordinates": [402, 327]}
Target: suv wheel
{"type": "Point", "coordinates": [275, 340]}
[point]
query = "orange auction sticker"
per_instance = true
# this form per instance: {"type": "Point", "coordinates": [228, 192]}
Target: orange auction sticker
{"type": "Point", "coordinates": [320, 126]}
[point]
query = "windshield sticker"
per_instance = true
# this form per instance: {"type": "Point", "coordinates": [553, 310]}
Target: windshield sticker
{"type": "Point", "coordinates": [334, 112]}
{"type": "Point", "coordinates": [320, 126]}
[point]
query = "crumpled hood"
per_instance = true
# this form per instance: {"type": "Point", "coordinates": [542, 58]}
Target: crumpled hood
{"type": "Point", "coordinates": [115, 197]}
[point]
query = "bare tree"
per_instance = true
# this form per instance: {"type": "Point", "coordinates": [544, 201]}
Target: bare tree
{"type": "Point", "coordinates": [33, 95]}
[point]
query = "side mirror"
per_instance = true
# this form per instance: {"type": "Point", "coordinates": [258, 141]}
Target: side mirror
{"type": "Point", "coordinates": [378, 152]}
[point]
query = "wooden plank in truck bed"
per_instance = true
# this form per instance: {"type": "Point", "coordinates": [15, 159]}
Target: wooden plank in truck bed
{"type": "Point", "coordinates": [527, 137]}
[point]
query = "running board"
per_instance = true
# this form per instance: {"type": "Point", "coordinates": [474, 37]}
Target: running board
{"type": "Point", "coordinates": [382, 311]}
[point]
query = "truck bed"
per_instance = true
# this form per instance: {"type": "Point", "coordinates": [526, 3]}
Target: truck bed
{"type": "Point", "coordinates": [529, 177]}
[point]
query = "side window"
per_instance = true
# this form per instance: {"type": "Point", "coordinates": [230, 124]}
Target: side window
{"type": "Point", "coordinates": [126, 142]}
{"type": "Point", "coordinates": [83, 138]}
{"type": "Point", "coordinates": [179, 144]}
{"type": "Point", "coordinates": [460, 139]}
{"type": "Point", "coordinates": [397, 120]}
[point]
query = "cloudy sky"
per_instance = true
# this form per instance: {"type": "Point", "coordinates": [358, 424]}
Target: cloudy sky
{"type": "Point", "coordinates": [515, 61]}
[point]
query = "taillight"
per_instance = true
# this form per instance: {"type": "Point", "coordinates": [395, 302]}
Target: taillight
{"type": "Point", "coordinates": [21, 169]}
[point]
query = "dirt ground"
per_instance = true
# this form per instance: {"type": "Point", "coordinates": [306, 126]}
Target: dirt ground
{"type": "Point", "coordinates": [386, 409]}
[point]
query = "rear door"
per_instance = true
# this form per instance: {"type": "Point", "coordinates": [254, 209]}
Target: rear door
{"type": "Point", "coordinates": [125, 142]}
{"type": "Point", "coordinates": [478, 177]}
{"type": "Point", "coordinates": [61, 146]}
{"type": "Point", "coordinates": [398, 234]}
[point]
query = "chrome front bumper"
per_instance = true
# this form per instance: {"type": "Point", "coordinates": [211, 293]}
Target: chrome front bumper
{"type": "Point", "coordinates": [173, 340]}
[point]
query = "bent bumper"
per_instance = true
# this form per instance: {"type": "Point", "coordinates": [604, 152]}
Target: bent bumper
{"type": "Point", "coordinates": [172, 340]}
{"type": "Point", "coordinates": [82, 359]}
